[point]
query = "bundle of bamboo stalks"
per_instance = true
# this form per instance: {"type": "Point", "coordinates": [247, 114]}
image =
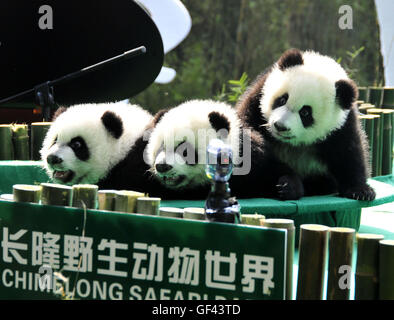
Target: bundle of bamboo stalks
{"type": "Point", "coordinates": [376, 109]}
{"type": "Point", "coordinates": [374, 277]}
{"type": "Point", "coordinates": [17, 144]}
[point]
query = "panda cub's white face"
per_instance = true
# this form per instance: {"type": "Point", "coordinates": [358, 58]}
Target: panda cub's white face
{"type": "Point", "coordinates": [178, 166]}
{"type": "Point", "coordinates": [176, 151]}
{"type": "Point", "coordinates": [299, 102]}
{"type": "Point", "coordinates": [86, 141]}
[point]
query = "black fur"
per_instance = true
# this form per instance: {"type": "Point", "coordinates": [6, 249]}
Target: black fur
{"type": "Point", "coordinates": [291, 58]}
{"type": "Point", "coordinates": [265, 169]}
{"type": "Point", "coordinates": [344, 152]}
{"type": "Point", "coordinates": [280, 101]}
{"type": "Point", "coordinates": [131, 173]}
{"type": "Point", "coordinates": [346, 93]}
{"type": "Point", "coordinates": [219, 121]}
{"type": "Point", "coordinates": [113, 123]}
{"type": "Point", "coordinates": [188, 152]}
{"type": "Point", "coordinates": [290, 187]}
{"type": "Point", "coordinates": [157, 117]}
{"type": "Point", "coordinates": [81, 150]}
{"type": "Point", "coordinates": [248, 106]}
{"type": "Point", "coordinates": [307, 120]}
{"type": "Point", "coordinates": [58, 112]}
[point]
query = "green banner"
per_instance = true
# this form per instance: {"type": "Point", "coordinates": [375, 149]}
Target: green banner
{"type": "Point", "coordinates": [50, 252]}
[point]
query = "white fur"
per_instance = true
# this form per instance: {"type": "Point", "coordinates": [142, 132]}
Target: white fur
{"type": "Point", "coordinates": [313, 84]}
{"type": "Point", "coordinates": [303, 160]}
{"type": "Point", "coordinates": [105, 151]}
{"type": "Point", "coordinates": [189, 121]}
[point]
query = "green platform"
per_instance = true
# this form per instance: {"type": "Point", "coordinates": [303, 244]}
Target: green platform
{"type": "Point", "coordinates": [373, 217]}
{"type": "Point", "coordinates": [327, 210]}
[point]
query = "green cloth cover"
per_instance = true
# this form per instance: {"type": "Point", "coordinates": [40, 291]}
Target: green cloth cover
{"type": "Point", "coordinates": [328, 210]}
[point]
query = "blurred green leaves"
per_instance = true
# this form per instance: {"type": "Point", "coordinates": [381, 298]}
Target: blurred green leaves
{"type": "Point", "coordinates": [234, 38]}
{"type": "Point", "coordinates": [233, 90]}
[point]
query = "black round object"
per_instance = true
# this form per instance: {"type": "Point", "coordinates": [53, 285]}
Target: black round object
{"type": "Point", "coordinates": [84, 33]}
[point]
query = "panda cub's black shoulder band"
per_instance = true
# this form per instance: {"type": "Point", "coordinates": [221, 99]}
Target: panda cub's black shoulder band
{"type": "Point", "coordinates": [113, 123]}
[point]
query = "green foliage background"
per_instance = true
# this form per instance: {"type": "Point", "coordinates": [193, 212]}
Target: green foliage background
{"type": "Point", "coordinates": [230, 37]}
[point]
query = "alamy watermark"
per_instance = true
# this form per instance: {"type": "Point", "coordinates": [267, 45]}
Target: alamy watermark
{"type": "Point", "coordinates": [46, 20]}
{"type": "Point", "coordinates": [345, 281]}
{"type": "Point", "coordinates": [346, 19]}
{"type": "Point", "coordinates": [46, 279]}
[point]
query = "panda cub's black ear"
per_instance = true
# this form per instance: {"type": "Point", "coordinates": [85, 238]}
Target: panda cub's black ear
{"type": "Point", "coordinates": [113, 123]}
{"type": "Point", "coordinates": [290, 58]}
{"type": "Point", "coordinates": [219, 121]}
{"type": "Point", "coordinates": [159, 114]}
{"type": "Point", "coordinates": [58, 112]}
{"type": "Point", "coordinates": [346, 93]}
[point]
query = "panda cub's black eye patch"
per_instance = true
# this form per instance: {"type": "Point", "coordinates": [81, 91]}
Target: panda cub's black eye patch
{"type": "Point", "coordinates": [78, 145]}
{"type": "Point", "coordinates": [188, 153]}
{"type": "Point", "coordinates": [306, 116]}
{"type": "Point", "coordinates": [54, 141]}
{"type": "Point", "coordinates": [280, 101]}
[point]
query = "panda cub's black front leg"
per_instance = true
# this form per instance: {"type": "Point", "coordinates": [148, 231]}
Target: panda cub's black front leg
{"type": "Point", "coordinates": [363, 192]}
{"type": "Point", "coordinates": [290, 187]}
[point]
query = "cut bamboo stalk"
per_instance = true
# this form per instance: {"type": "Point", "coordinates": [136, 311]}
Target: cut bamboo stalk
{"type": "Point", "coordinates": [364, 107]}
{"type": "Point", "coordinates": [56, 194]}
{"type": "Point", "coordinates": [376, 96]}
{"type": "Point", "coordinates": [377, 144]}
{"type": "Point", "coordinates": [84, 194]}
{"type": "Point", "coordinates": [20, 138]}
{"type": "Point", "coordinates": [194, 213]}
{"type": "Point", "coordinates": [148, 205]}
{"type": "Point", "coordinates": [387, 148]}
{"type": "Point", "coordinates": [362, 121]}
{"type": "Point", "coordinates": [369, 130]}
{"type": "Point", "coordinates": [171, 212]}
{"type": "Point", "coordinates": [6, 144]}
{"type": "Point", "coordinates": [26, 193]}
{"type": "Point", "coordinates": [388, 97]}
{"type": "Point", "coordinates": [386, 139]}
{"type": "Point", "coordinates": [289, 226]}
{"type": "Point", "coordinates": [367, 267]}
{"type": "Point", "coordinates": [363, 93]}
{"type": "Point", "coordinates": [106, 199]}
{"type": "Point", "coordinates": [253, 219]}
{"type": "Point", "coordinates": [7, 197]}
{"type": "Point", "coordinates": [126, 201]}
{"type": "Point", "coordinates": [38, 130]}
{"type": "Point", "coordinates": [386, 269]}
{"type": "Point", "coordinates": [312, 261]}
{"type": "Point", "coordinates": [340, 256]}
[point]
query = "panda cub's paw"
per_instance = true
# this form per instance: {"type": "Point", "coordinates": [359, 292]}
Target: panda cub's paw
{"type": "Point", "coordinates": [363, 193]}
{"type": "Point", "coordinates": [290, 188]}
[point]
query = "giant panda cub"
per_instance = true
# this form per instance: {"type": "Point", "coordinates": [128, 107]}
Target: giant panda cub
{"type": "Point", "coordinates": [303, 106]}
{"type": "Point", "coordinates": [176, 151]}
{"type": "Point", "coordinates": [95, 144]}
{"type": "Point", "coordinates": [177, 146]}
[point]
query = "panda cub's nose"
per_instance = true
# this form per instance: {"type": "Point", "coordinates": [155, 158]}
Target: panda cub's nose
{"type": "Point", "coordinates": [52, 159]}
{"type": "Point", "coordinates": [163, 167]}
{"type": "Point", "coordinates": [280, 127]}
